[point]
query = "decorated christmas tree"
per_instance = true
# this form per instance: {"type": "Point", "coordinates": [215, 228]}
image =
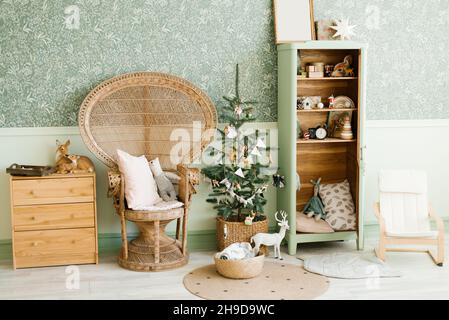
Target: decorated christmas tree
{"type": "Point", "coordinates": [238, 179]}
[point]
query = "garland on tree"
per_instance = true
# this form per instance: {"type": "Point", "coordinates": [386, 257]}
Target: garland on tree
{"type": "Point", "coordinates": [238, 181]}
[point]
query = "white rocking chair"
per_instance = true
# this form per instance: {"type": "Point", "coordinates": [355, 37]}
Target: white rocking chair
{"type": "Point", "coordinates": [404, 215]}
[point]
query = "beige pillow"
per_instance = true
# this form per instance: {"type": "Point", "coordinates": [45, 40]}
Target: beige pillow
{"type": "Point", "coordinates": [338, 204]}
{"type": "Point", "coordinates": [140, 187]}
{"type": "Point", "coordinates": [310, 225]}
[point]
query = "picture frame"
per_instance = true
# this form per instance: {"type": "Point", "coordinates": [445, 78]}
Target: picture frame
{"type": "Point", "coordinates": [332, 122]}
{"type": "Point", "coordinates": [293, 21]}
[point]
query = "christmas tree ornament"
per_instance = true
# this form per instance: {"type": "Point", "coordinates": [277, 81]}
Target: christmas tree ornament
{"type": "Point", "coordinates": [230, 132]}
{"type": "Point", "coordinates": [238, 110]}
{"type": "Point", "coordinates": [260, 144]}
{"type": "Point", "coordinates": [232, 155]}
{"type": "Point", "coordinates": [247, 162]}
{"type": "Point", "coordinates": [226, 183]}
{"type": "Point", "coordinates": [239, 173]}
{"type": "Point", "coordinates": [256, 152]}
{"type": "Point", "coordinates": [278, 181]}
{"type": "Point", "coordinates": [249, 219]}
{"type": "Point", "coordinates": [344, 29]}
{"type": "Point", "coordinates": [215, 183]}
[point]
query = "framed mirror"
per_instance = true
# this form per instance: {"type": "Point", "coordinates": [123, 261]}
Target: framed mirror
{"type": "Point", "coordinates": [293, 20]}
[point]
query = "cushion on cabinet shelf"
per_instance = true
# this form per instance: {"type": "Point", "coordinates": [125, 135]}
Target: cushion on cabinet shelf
{"type": "Point", "coordinates": [310, 225]}
{"type": "Point", "coordinates": [338, 204]}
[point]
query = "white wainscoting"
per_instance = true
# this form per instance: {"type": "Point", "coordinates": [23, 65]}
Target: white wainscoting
{"type": "Point", "coordinates": [37, 146]}
{"type": "Point", "coordinates": [417, 144]}
{"type": "Point", "coordinates": [409, 144]}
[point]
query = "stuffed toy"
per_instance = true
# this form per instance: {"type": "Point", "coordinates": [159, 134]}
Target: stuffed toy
{"type": "Point", "coordinates": [165, 187]}
{"type": "Point", "coordinates": [315, 206]}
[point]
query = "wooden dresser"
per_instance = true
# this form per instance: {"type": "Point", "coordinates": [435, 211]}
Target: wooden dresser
{"type": "Point", "coordinates": [53, 220]}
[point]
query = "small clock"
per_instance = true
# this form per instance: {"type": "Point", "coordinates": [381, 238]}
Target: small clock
{"type": "Point", "coordinates": [320, 133]}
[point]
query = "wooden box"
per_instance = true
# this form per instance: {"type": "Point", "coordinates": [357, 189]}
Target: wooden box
{"type": "Point", "coordinates": [53, 220]}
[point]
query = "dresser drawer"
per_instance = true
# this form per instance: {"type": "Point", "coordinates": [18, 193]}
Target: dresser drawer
{"type": "Point", "coordinates": [54, 247]}
{"type": "Point", "coordinates": [54, 216]}
{"type": "Point", "coordinates": [49, 191]}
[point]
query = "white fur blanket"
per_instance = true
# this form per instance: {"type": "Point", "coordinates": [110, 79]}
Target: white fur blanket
{"type": "Point", "coordinates": [348, 266]}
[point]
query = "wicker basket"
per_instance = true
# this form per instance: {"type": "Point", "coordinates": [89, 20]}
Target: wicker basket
{"type": "Point", "coordinates": [240, 269]}
{"type": "Point", "coordinates": [237, 231]}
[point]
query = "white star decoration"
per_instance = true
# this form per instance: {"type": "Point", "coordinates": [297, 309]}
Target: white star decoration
{"type": "Point", "coordinates": [344, 30]}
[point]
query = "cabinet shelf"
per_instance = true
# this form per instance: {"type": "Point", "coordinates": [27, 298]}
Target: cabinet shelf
{"type": "Point", "coordinates": [327, 140]}
{"type": "Point", "coordinates": [327, 78]}
{"type": "Point", "coordinates": [326, 110]}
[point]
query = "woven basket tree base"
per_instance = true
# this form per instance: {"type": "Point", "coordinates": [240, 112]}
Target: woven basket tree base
{"type": "Point", "coordinates": [141, 251]}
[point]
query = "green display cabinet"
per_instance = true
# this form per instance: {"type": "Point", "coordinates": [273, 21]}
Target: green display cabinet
{"type": "Point", "coordinates": [333, 159]}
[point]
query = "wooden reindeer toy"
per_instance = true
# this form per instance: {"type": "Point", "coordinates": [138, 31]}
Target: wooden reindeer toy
{"type": "Point", "coordinates": [71, 163]}
{"type": "Point", "coordinates": [272, 239]}
{"type": "Point", "coordinates": [344, 69]}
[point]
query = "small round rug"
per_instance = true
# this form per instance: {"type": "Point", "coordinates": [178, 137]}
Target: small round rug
{"type": "Point", "coordinates": [277, 281]}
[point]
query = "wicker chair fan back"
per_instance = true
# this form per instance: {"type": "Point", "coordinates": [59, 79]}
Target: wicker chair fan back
{"type": "Point", "coordinates": [146, 113]}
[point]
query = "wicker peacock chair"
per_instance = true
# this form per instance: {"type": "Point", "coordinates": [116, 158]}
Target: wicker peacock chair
{"type": "Point", "coordinates": [156, 115]}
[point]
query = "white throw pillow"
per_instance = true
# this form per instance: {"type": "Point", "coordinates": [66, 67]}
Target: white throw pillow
{"type": "Point", "coordinates": [140, 187]}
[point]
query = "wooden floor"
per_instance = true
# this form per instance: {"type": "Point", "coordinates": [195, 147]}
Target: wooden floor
{"type": "Point", "coordinates": [421, 279]}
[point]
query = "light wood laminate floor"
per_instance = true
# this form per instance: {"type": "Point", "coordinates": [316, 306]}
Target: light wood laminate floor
{"type": "Point", "coordinates": [421, 279]}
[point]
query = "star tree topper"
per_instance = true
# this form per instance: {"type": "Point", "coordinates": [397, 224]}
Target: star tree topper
{"type": "Point", "coordinates": [344, 30]}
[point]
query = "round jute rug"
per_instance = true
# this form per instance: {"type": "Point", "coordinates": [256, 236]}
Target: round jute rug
{"type": "Point", "coordinates": [277, 282]}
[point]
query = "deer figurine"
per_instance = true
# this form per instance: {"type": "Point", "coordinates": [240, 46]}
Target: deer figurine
{"type": "Point", "coordinates": [67, 163]}
{"type": "Point", "coordinates": [272, 239]}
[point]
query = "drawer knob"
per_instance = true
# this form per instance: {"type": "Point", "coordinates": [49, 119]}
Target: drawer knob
{"type": "Point", "coordinates": [73, 241]}
{"type": "Point", "coordinates": [34, 244]}
{"type": "Point", "coordinates": [33, 218]}
{"type": "Point", "coordinates": [72, 216]}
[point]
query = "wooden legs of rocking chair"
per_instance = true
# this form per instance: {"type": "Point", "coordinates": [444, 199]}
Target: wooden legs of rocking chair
{"type": "Point", "coordinates": [384, 240]}
{"type": "Point", "coordinates": [439, 243]}
{"type": "Point", "coordinates": [381, 249]}
{"type": "Point", "coordinates": [437, 259]}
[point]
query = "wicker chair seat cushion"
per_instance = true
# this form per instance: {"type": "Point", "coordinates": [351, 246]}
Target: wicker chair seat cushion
{"type": "Point", "coordinates": [156, 215]}
{"type": "Point", "coordinates": [161, 206]}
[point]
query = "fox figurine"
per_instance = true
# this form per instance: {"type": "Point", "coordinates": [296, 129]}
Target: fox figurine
{"type": "Point", "coordinates": [65, 161]}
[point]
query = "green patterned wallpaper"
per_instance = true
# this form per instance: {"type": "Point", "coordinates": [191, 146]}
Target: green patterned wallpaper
{"type": "Point", "coordinates": [52, 52]}
{"type": "Point", "coordinates": [408, 61]}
